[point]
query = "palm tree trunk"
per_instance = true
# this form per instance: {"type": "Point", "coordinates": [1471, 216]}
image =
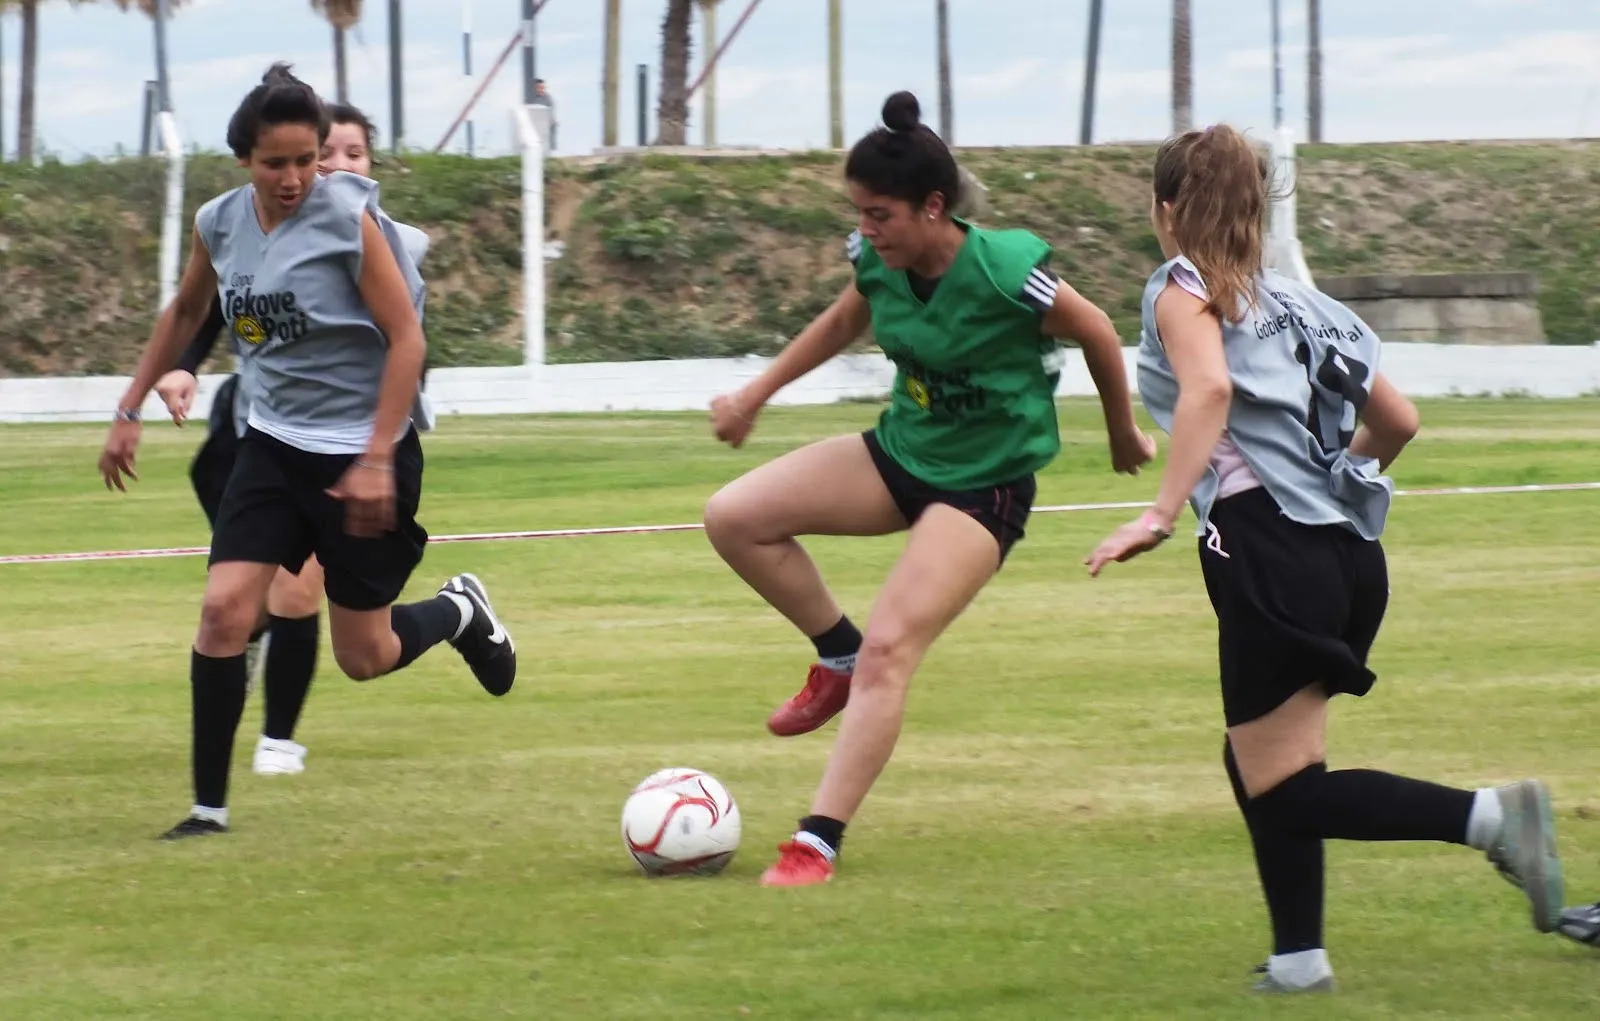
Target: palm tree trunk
{"type": "Point", "coordinates": [1314, 70]}
{"type": "Point", "coordinates": [341, 76]}
{"type": "Point", "coordinates": [835, 76]}
{"type": "Point", "coordinates": [1182, 67]}
{"type": "Point", "coordinates": [29, 76]}
{"type": "Point", "coordinates": [610, 86]}
{"type": "Point", "coordinates": [672, 109]}
{"type": "Point", "coordinates": [946, 103]}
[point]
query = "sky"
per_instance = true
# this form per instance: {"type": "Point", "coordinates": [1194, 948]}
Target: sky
{"type": "Point", "coordinates": [1417, 69]}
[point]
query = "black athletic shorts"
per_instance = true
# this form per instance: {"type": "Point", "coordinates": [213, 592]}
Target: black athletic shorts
{"type": "Point", "coordinates": [1002, 509]}
{"type": "Point", "coordinates": [1296, 604]}
{"type": "Point", "coordinates": [276, 510]}
{"type": "Point", "coordinates": [213, 462]}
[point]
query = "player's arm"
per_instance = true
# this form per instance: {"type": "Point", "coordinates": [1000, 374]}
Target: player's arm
{"type": "Point", "coordinates": [827, 335]}
{"type": "Point", "coordinates": [387, 297]}
{"type": "Point", "coordinates": [205, 338]}
{"type": "Point", "coordinates": [176, 326]}
{"type": "Point", "coordinates": [1068, 315]}
{"type": "Point", "coordinates": [1388, 422]}
{"type": "Point", "coordinates": [1192, 337]}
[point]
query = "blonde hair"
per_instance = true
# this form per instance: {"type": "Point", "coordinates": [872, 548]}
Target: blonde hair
{"type": "Point", "coordinates": [1218, 186]}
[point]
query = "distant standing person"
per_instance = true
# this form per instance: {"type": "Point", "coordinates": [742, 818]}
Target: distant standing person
{"type": "Point", "coordinates": [541, 97]}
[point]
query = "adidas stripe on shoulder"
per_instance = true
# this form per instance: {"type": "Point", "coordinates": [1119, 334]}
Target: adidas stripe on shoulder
{"type": "Point", "coordinates": [853, 245]}
{"type": "Point", "coordinates": [1039, 289]}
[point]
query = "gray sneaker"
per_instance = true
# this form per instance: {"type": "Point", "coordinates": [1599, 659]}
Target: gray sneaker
{"type": "Point", "coordinates": [1268, 984]}
{"type": "Point", "coordinates": [1525, 853]}
{"type": "Point", "coordinates": [1581, 924]}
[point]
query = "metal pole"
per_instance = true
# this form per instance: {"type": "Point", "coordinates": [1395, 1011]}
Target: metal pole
{"type": "Point", "coordinates": [1314, 70]}
{"type": "Point", "coordinates": [2, 91]}
{"type": "Point", "coordinates": [643, 88]}
{"type": "Point", "coordinates": [835, 76]}
{"type": "Point", "coordinates": [1091, 71]}
{"type": "Point", "coordinates": [397, 120]}
{"type": "Point", "coordinates": [466, 62]}
{"type": "Point", "coordinates": [1277, 71]}
{"type": "Point", "coordinates": [530, 43]}
{"type": "Point", "coordinates": [147, 122]}
{"type": "Point", "coordinates": [946, 105]}
{"type": "Point", "coordinates": [712, 63]}
{"type": "Point", "coordinates": [494, 69]}
{"type": "Point", "coordinates": [163, 89]}
{"type": "Point", "coordinates": [709, 13]}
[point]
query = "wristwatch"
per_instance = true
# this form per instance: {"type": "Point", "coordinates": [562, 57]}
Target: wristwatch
{"type": "Point", "coordinates": [127, 415]}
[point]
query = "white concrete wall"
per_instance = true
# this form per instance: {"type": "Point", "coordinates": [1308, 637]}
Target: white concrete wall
{"type": "Point", "coordinates": [1419, 370]}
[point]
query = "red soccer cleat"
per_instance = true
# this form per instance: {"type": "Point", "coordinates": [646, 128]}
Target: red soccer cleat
{"type": "Point", "coordinates": [798, 865]}
{"type": "Point", "coordinates": [824, 695]}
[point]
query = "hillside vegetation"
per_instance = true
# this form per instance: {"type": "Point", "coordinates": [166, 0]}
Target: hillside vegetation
{"type": "Point", "coordinates": [680, 256]}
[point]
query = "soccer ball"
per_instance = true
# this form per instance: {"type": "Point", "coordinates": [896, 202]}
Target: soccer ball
{"type": "Point", "coordinates": [680, 822]}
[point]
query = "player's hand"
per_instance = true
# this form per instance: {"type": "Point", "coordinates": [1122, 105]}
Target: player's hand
{"type": "Point", "coordinates": [733, 416]}
{"type": "Point", "coordinates": [176, 390]}
{"type": "Point", "coordinates": [367, 490]}
{"type": "Point", "coordinates": [1124, 544]}
{"type": "Point", "coordinates": [1131, 449]}
{"type": "Point", "coordinates": [116, 459]}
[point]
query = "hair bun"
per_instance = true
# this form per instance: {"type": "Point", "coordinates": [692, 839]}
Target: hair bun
{"type": "Point", "coordinates": [279, 74]}
{"type": "Point", "coordinates": [902, 112]}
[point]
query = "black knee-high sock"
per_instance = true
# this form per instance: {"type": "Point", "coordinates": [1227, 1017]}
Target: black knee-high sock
{"type": "Point", "coordinates": [291, 664]}
{"type": "Point", "coordinates": [1364, 804]}
{"type": "Point", "coordinates": [216, 688]}
{"type": "Point", "coordinates": [421, 626]}
{"type": "Point", "coordinates": [1292, 869]}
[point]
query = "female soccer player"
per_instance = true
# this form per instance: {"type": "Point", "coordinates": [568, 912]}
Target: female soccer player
{"type": "Point", "coordinates": [326, 320]}
{"type": "Point", "coordinates": [969, 317]}
{"type": "Point", "coordinates": [284, 643]}
{"type": "Point", "coordinates": [1281, 424]}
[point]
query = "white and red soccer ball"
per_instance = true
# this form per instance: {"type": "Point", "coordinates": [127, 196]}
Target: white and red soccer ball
{"type": "Point", "coordinates": [681, 822]}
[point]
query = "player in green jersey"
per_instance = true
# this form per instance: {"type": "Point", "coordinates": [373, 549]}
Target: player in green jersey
{"type": "Point", "coordinates": [969, 317]}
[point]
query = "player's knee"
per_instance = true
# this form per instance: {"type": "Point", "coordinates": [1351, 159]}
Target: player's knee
{"type": "Point", "coordinates": [728, 519]}
{"type": "Point", "coordinates": [295, 596]}
{"type": "Point", "coordinates": [360, 662]}
{"type": "Point", "coordinates": [226, 617]}
{"type": "Point", "coordinates": [888, 655]}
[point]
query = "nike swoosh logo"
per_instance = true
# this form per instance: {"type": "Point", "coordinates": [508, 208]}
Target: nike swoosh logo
{"type": "Point", "coordinates": [498, 635]}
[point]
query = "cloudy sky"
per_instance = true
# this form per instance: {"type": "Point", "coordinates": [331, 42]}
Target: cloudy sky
{"type": "Point", "coordinates": [1395, 69]}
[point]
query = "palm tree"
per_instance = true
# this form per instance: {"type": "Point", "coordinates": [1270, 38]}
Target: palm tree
{"type": "Point", "coordinates": [1314, 69]}
{"type": "Point", "coordinates": [342, 15]}
{"type": "Point", "coordinates": [946, 106]}
{"type": "Point", "coordinates": [609, 104]}
{"type": "Point", "coordinates": [28, 72]}
{"type": "Point", "coordinates": [1182, 68]}
{"type": "Point", "coordinates": [672, 110]}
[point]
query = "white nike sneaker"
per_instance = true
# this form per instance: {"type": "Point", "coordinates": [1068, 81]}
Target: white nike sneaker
{"type": "Point", "coordinates": [277, 757]}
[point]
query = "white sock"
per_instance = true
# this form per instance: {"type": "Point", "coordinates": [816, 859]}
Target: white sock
{"type": "Point", "coordinates": [1300, 969]}
{"type": "Point", "coordinates": [216, 815]}
{"type": "Point", "coordinates": [1486, 820]}
{"type": "Point", "coordinates": [815, 842]}
{"type": "Point", "coordinates": [465, 605]}
{"type": "Point", "coordinates": [839, 664]}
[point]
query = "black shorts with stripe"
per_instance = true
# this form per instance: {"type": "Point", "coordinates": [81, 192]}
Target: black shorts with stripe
{"type": "Point", "coordinates": [1296, 604]}
{"type": "Point", "coordinates": [1002, 509]}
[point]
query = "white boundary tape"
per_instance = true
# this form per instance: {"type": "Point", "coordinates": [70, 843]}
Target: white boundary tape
{"type": "Point", "coordinates": [571, 533]}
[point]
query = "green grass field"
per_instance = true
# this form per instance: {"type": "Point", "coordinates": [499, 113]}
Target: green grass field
{"type": "Point", "coordinates": [1055, 837]}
